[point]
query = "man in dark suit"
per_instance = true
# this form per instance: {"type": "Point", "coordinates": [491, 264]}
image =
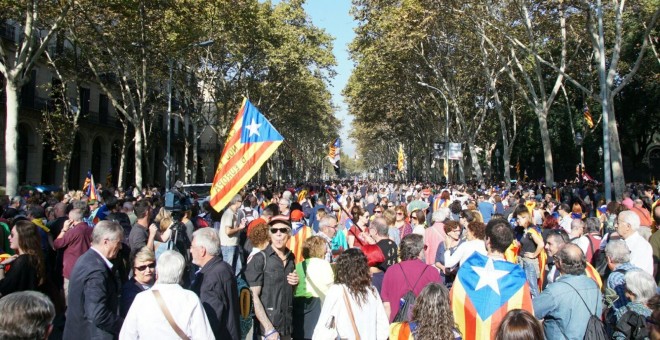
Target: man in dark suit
{"type": "Point", "coordinates": [215, 284]}
{"type": "Point", "coordinates": [93, 293]}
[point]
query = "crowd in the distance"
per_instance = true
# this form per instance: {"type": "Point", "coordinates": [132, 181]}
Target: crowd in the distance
{"type": "Point", "coordinates": [351, 260]}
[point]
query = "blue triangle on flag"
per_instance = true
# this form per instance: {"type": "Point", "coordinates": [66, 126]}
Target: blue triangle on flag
{"type": "Point", "coordinates": [255, 128]}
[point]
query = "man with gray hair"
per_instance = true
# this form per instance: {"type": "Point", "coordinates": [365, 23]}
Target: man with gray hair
{"type": "Point", "coordinates": [618, 261]}
{"type": "Point", "coordinates": [380, 232]}
{"type": "Point", "coordinates": [74, 240]}
{"type": "Point", "coordinates": [146, 319]}
{"type": "Point", "coordinates": [216, 285]}
{"type": "Point", "coordinates": [435, 234]}
{"type": "Point", "coordinates": [641, 253]}
{"type": "Point", "coordinates": [93, 292]}
{"type": "Point", "coordinates": [26, 315]}
{"type": "Point", "coordinates": [577, 235]}
{"type": "Point", "coordinates": [327, 231]}
{"type": "Point", "coordinates": [230, 228]}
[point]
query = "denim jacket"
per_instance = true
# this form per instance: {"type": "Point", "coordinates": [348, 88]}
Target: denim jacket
{"type": "Point", "coordinates": [565, 315]}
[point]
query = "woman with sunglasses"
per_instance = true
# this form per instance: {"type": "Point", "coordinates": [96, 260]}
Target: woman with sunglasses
{"type": "Point", "coordinates": [453, 231]}
{"type": "Point", "coordinates": [400, 223]}
{"type": "Point", "coordinates": [358, 235]}
{"type": "Point", "coordinates": [144, 275]}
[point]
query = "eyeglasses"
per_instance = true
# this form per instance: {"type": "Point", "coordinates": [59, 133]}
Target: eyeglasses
{"type": "Point", "coordinates": [151, 265]}
{"type": "Point", "coordinates": [378, 211]}
{"type": "Point", "coordinates": [400, 213]}
{"type": "Point", "coordinates": [281, 230]}
{"type": "Point", "coordinates": [413, 217]}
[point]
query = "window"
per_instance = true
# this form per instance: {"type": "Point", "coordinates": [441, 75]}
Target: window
{"type": "Point", "coordinates": [103, 109]}
{"type": "Point", "coordinates": [84, 101]}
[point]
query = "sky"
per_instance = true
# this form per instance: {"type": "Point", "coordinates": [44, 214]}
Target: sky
{"type": "Point", "coordinates": [333, 16]}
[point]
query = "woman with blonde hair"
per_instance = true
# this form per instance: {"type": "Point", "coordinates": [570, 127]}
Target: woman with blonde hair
{"type": "Point", "coordinates": [315, 277]}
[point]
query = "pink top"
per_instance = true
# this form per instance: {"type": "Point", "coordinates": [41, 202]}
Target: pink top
{"type": "Point", "coordinates": [433, 235]}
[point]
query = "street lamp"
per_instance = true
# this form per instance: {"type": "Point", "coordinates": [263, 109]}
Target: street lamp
{"type": "Point", "coordinates": [578, 141]}
{"type": "Point", "coordinates": [168, 155]}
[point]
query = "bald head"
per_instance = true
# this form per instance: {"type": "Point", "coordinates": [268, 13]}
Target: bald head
{"type": "Point", "coordinates": [571, 260]}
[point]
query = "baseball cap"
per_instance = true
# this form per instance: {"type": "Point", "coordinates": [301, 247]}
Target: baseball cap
{"type": "Point", "coordinates": [280, 219]}
{"type": "Point", "coordinates": [297, 215]}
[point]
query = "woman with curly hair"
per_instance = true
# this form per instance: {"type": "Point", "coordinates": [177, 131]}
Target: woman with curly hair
{"type": "Point", "coordinates": [364, 314]}
{"type": "Point", "coordinates": [27, 271]}
{"type": "Point", "coordinates": [432, 317]}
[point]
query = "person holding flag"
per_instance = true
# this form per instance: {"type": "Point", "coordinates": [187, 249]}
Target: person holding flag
{"type": "Point", "coordinates": [487, 287]}
{"type": "Point", "coordinates": [333, 155]}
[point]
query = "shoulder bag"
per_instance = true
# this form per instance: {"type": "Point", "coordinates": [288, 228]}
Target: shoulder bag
{"type": "Point", "coordinates": [168, 315]}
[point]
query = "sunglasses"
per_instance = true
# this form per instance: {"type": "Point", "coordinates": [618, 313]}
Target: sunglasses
{"type": "Point", "coordinates": [281, 230]}
{"type": "Point", "coordinates": [413, 217]}
{"type": "Point", "coordinates": [378, 211]}
{"type": "Point", "coordinates": [144, 267]}
{"type": "Point", "coordinates": [399, 213]}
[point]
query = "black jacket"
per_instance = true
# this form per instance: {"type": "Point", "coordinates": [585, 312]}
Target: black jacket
{"type": "Point", "coordinates": [93, 300]}
{"type": "Point", "coordinates": [216, 286]}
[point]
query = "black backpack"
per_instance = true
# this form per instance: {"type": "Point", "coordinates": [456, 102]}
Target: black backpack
{"type": "Point", "coordinates": [632, 325]}
{"type": "Point", "coordinates": [595, 326]}
{"type": "Point", "coordinates": [408, 300]}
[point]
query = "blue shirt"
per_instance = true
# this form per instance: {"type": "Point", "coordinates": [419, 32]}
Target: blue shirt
{"type": "Point", "coordinates": [617, 281]}
{"type": "Point", "coordinates": [565, 315]}
{"type": "Point", "coordinates": [486, 209]}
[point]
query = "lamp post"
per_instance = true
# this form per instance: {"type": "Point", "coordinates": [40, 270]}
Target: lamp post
{"type": "Point", "coordinates": [578, 141]}
{"type": "Point", "coordinates": [168, 155]}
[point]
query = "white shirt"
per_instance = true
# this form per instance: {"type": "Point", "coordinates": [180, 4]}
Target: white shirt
{"type": "Point", "coordinates": [464, 251]}
{"type": "Point", "coordinates": [145, 320]}
{"type": "Point", "coordinates": [370, 318]}
{"type": "Point", "coordinates": [107, 262]}
{"type": "Point", "coordinates": [565, 222]}
{"type": "Point", "coordinates": [641, 253]}
{"type": "Point", "coordinates": [228, 221]}
{"type": "Point", "coordinates": [419, 229]}
{"type": "Point", "coordinates": [583, 243]}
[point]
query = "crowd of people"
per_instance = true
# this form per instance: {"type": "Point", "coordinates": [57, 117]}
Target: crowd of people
{"type": "Point", "coordinates": [349, 260]}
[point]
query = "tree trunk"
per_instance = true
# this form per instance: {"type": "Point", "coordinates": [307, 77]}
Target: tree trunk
{"type": "Point", "coordinates": [195, 160]}
{"type": "Point", "coordinates": [475, 161]}
{"type": "Point", "coordinates": [65, 170]}
{"type": "Point", "coordinates": [547, 148]}
{"type": "Point", "coordinates": [461, 170]}
{"type": "Point", "coordinates": [138, 159]}
{"type": "Point", "coordinates": [615, 154]}
{"type": "Point", "coordinates": [11, 139]}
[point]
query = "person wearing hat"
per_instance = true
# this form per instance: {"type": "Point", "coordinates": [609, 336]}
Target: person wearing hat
{"type": "Point", "coordinates": [299, 233]}
{"type": "Point", "coordinates": [272, 279]}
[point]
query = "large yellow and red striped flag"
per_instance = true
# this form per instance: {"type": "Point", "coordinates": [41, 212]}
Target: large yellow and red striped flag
{"type": "Point", "coordinates": [251, 141]}
{"type": "Point", "coordinates": [484, 291]}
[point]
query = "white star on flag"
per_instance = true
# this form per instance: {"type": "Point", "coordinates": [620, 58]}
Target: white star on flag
{"type": "Point", "coordinates": [254, 128]}
{"type": "Point", "coordinates": [488, 276]}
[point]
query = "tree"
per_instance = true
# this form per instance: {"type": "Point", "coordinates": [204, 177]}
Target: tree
{"type": "Point", "coordinates": [39, 21]}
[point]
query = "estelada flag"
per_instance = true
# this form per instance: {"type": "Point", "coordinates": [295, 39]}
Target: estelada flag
{"type": "Point", "coordinates": [251, 141]}
{"type": "Point", "coordinates": [484, 291]}
{"type": "Point", "coordinates": [91, 192]}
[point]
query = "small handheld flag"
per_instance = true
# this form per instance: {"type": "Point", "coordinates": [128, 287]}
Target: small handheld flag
{"type": "Point", "coordinates": [587, 117]}
{"type": "Point", "coordinates": [250, 142]}
{"type": "Point", "coordinates": [401, 161]}
{"type": "Point", "coordinates": [90, 187]}
{"type": "Point", "coordinates": [334, 154]}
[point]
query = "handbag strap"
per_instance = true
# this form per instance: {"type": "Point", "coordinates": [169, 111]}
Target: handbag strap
{"type": "Point", "coordinates": [350, 314]}
{"type": "Point", "coordinates": [168, 315]}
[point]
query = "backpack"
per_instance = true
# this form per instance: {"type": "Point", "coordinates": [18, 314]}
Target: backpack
{"type": "Point", "coordinates": [632, 325]}
{"type": "Point", "coordinates": [595, 326]}
{"type": "Point", "coordinates": [408, 300]}
{"type": "Point", "coordinates": [594, 245]}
